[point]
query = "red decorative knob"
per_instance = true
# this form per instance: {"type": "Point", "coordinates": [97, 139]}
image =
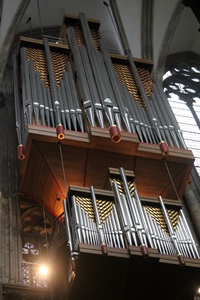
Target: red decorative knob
{"type": "Point", "coordinates": [144, 250]}
{"type": "Point", "coordinates": [163, 148]}
{"type": "Point", "coordinates": [104, 248]}
{"type": "Point", "coordinates": [181, 260]}
{"type": "Point", "coordinates": [115, 134]}
{"type": "Point", "coordinates": [189, 180]}
{"type": "Point", "coordinates": [73, 264]}
{"type": "Point", "coordinates": [20, 152]}
{"type": "Point", "coordinates": [60, 132]}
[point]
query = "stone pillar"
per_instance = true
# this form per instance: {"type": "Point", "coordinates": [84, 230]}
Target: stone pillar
{"type": "Point", "coordinates": [10, 239]}
{"type": "Point", "coordinates": [147, 31]}
{"type": "Point", "coordinates": [0, 290]}
{"type": "Point", "coordinates": [193, 208]}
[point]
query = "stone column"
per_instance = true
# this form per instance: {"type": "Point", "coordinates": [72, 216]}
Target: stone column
{"type": "Point", "coordinates": [193, 208]}
{"type": "Point", "coordinates": [0, 290]}
{"type": "Point", "coordinates": [147, 30]}
{"type": "Point", "coordinates": [10, 239]}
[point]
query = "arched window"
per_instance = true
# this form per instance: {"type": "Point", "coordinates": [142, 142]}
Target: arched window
{"type": "Point", "coordinates": [181, 83]}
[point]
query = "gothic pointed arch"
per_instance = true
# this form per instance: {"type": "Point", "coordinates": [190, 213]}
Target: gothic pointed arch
{"type": "Point", "coordinates": [168, 38]}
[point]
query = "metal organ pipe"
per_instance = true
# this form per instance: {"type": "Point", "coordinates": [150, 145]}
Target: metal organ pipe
{"type": "Point", "coordinates": [69, 237]}
{"type": "Point", "coordinates": [34, 91]}
{"type": "Point", "coordinates": [134, 213]}
{"type": "Point", "coordinates": [92, 86]}
{"type": "Point", "coordinates": [168, 129]}
{"type": "Point", "coordinates": [65, 103]}
{"type": "Point", "coordinates": [108, 104]}
{"type": "Point", "coordinates": [27, 99]}
{"type": "Point", "coordinates": [167, 108]}
{"type": "Point", "coordinates": [70, 111]}
{"type": "Point", "coordinates": [51, 110]}
{"type": "Point", "coordinates": [20, 147]}
{"type": "Point", "coordinates": [75, 100]}
{"type": "Point", "coordinates": [62, 112]}
{"type": "Point", "coordinates": [98, 222]}
{"type": "Point", "coordinates": [143, 219]}
{"type": "Point", "coordinates": [115, 84]}
{"type": "Point", "coordinates": [46, 104]}
{"type": "Point", "coordinates": [125, 46]}
{"type": "Point", "coordinates": [86, 97]}
{"type": "Point", "coordinates": [40, 98]}
{"type": "Point", "coordinates": [56, 105]}
{"type": "Point", "coordinates": [171, 231]}
{"type": "Point", "coordinates": [92, 56]}
{"type": "Point", "coordinates": [126, 221]}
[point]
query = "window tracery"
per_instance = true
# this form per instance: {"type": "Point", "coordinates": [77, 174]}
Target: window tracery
{"type": "Point", "coordinates": [181, 83]}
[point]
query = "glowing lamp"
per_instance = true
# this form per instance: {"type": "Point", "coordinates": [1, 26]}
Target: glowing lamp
{"type": "Point", "coordinates": [43, 270]}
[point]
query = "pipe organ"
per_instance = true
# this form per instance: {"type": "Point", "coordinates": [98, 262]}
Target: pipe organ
{"type": "Point", "coordinates": [124, 220]}
{"type": "Point", "coordinates": [80, 111]}
{"type": "Point", "coordinates": [78, 85]}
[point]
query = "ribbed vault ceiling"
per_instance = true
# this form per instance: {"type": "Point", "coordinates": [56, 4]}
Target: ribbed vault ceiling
{"type": "Point", "coordinates": [170, 27]}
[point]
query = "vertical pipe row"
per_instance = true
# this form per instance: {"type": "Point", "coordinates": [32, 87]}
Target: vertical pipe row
{"type": "Point", "coordinates": [69, 237]}
{"type": "Point", "coordinates": [18, 117]}
{"type": "Point", "coordinates": [129, 223]}
{"type": "Point", "coordinates": [115, 84]}
{"type": "Point", "coordinates": [172, 120]}
{"type": "Point", "coordinates": [92, 86]}
{"type": "Point", "coordinates": [44, 105]}
{"type": "Point", "coordinates": [172, 232]}
{"type": "Point", "coordinates": [85, 230]}
{"type": "Point", "coordinates": [56, 104]}
{"type": "Point", "coordinates": [98, 221]}
{"type": "Point", "coordinates": [100, 80]}
{"type": "Point", "coordinates": [85, 94]}
{"type": "Point", "coordinates": [136, 219]}
{"type": "Point", "coordinates": [103, 96]}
